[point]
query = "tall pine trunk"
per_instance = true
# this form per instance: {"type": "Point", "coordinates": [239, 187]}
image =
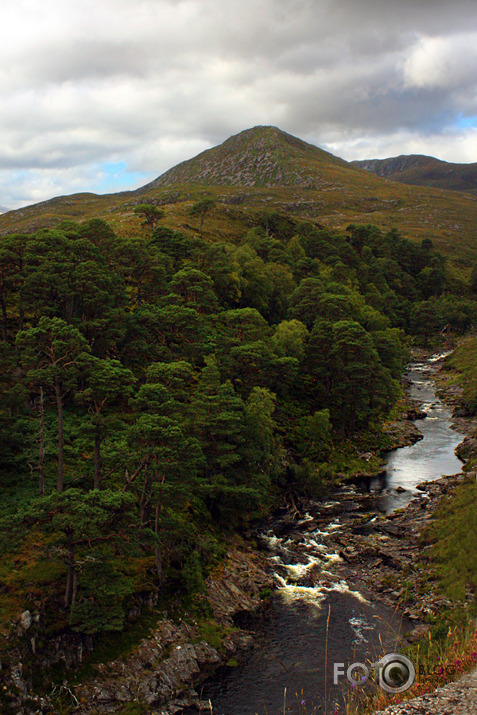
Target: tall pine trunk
{"type": "Point", "coordinates": [157, 548]}
{"type": "Point", "coordinates": [41, 447]}
{"type": "Point", "coordinates": [144, 500]}
{"type": "Point", "coordinates": [71, 573]}
{"type": "Point", "coordinates": [61, 439]}
{"type": "Point", "coordinates": [97, 457]}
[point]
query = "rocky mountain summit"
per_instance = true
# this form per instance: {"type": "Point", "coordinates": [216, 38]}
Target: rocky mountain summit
{"type": "Point", "coordinates": [261, 156]}
{"type": "Point", "coordinates": [266, 169]}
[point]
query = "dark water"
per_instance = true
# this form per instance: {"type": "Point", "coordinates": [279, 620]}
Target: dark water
{"type": "Point", "coordinates": [332, 620]}
{"type": "Point", "coordinates": [290, 654]}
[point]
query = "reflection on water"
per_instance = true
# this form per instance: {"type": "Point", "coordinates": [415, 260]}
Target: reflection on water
{"type": "Point", "coordinates": [315, 618]}
{"type": "Point", "coordinates": [290, 653]}
{"type": "Point", "coordinates": [431, 457]}
{"type": "Point", "coordinates": [314, 615]}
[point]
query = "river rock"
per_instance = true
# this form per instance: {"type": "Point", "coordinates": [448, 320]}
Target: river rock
{"type": "Point", "coordinates": [20, 683]}
{"type": "Point", "coordinates": [418, 633]}
{"type": "Point", "coordinates": [402, 433]}
{"type": "Point", "coordinates": [390, 530]}
{"type": "Point", "coordinates": [467, 449]}
{"type": "Point", "coordinates": [26, 619]}
{"type": "Point", "coordinates": [415, 414]}
{"type": "Point", "coordinates": [164, 668]}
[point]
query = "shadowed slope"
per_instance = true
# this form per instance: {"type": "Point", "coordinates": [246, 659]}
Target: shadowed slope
{"type": "Point", "coordinates": [419, 170]}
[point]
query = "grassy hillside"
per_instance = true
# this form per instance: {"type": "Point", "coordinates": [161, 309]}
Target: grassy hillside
{"type": "Point", "coordinates": [274, 171]}
{"type": "Point", "coordinates": [419, 170]}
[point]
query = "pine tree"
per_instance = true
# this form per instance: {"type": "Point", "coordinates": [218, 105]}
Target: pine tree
{"type": "Point", "coordinates": [54, 351]}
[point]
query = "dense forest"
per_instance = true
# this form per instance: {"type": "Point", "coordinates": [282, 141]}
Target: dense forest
{"type": "Point", "coordinates": [159, 392]}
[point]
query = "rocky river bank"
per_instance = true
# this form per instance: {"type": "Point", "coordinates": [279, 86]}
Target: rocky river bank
{"type": "Point", "coordinates": [163, 669]}
{"type": "Point", "coordinates": [359, 557]}
{"type": "Point", "coordinates": [346, 545]}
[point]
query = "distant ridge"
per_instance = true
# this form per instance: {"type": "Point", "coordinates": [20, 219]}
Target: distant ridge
{"type": "Point", "coordinates": [263, 156]}
{"type": "Point", "coordinates": [420, 170]}
{"type": "Point", "coordinates": [3, 209]}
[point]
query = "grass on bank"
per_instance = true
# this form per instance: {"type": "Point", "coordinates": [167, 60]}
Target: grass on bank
{"type": "Point", "coordinates": [464, 361]}
{"type": "Point", "coordinates": [450, 649]}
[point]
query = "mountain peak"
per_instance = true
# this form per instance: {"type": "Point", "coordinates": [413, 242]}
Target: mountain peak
{"type": "Point", "coordinates": [262, 156]}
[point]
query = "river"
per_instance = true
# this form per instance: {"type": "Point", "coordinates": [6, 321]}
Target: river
{"type": "Point", "coordinates": [317, 618]}
{"type": "Point", "coordinates": [432, 456]}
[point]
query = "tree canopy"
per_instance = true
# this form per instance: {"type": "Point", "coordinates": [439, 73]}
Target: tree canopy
{"type": "Point", "coordinates": [158, 391]}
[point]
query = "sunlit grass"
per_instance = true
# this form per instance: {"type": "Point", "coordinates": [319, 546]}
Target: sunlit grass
{"type": "Point", "coordinates": [437, 662]}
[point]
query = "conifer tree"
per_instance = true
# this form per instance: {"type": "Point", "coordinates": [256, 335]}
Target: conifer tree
{"type": "Point", "coordinates": [107, 381]}
{"type": "Point", "coordinates": [54, 351]}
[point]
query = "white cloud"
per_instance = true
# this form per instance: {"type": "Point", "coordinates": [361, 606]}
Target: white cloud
{"type": "Point", "coordinates": [444, 62]}
{"type": "Point", "coordinates": [454, 146]}
{"type": "Point", "coordinates": [151, 83]}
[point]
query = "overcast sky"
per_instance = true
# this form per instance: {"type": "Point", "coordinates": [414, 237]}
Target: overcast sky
{"type": "Point", "coordinates": [104, 95]}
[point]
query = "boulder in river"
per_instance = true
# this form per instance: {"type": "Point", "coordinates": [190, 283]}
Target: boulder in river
{"type": "Point", "coordinates": [415, 414]}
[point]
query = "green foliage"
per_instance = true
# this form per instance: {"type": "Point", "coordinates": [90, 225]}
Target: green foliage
{"type": "Point", "coordinates": [172, 386]}
{"type": "Point", "coordinates": [193, 288]}
{"type": "Point", "coordinates": [464, 359]}
{"type": "Point", "coordinates": [290, 339]}
{"type": "Point", "coordinates": [101, 603]}
{"type": "Point", "coordinates": [201, 208]}
{"type": "Point", "coordinates": [313, 436]}
{"type": "Point", "coordinates": [191, 575]}
{"type": "Point", "coordinates": [175, 244]}
{"type": "Point", "coordinates": [85, 532]}
{"type": "Point", "coordinates": [150, 213]}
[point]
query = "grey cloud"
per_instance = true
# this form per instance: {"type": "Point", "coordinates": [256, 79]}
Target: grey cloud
{"type": "Point", "coordinates": [143, 82]}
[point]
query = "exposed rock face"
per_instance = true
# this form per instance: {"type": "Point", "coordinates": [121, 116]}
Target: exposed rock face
{"type": "Point", "coordinates": [239, 585]}
{"type": "Point", "coordinates": [165, 667]}
{"type": "Point", "coordinates": [402, 433]}
{"type": "Point", "coordinates": [388, 168]}
{"type": "Point", "coordinates": [261, 156]}
{"type": "Point", "coordinates": [161, 668]}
